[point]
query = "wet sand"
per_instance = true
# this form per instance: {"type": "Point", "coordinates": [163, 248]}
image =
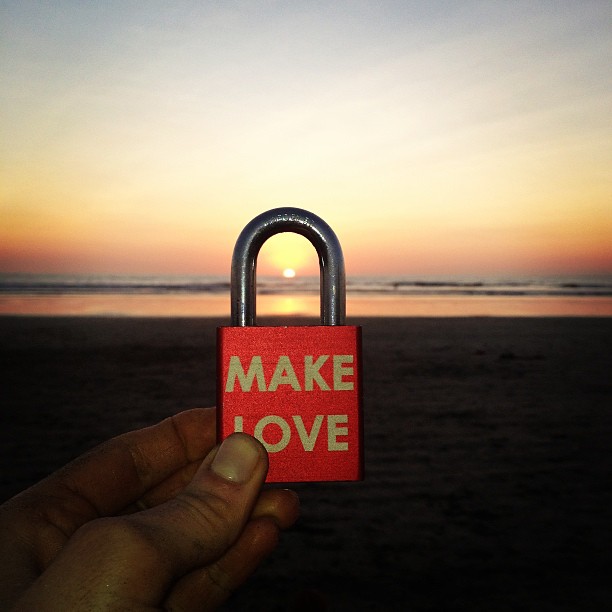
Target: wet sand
{"type": "Point", "coordinates": [488, 462]}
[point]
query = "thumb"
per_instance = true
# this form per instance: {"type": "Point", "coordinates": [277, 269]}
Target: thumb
{"type": "Point", "coordinates": [206, 518]}
{"type": "Point", "coordinates": [131, 561]}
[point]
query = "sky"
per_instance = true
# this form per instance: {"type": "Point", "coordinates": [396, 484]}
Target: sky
{"type": "Point", "coordinates": [440, 137]}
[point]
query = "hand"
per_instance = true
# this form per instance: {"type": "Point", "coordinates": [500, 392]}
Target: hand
{"type": "Point", "coordinates": [142, 523]}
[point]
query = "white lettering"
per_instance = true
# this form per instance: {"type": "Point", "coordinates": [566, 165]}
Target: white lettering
{"type": "Point", "coordinates": [284, 374]}
{"type": "Point", "coordinates": [340, 371]}
{"type": "Point", "coordinates": [311, 372]}
{"type": "Point", "coordinates": [308, 439]}
{"type": "Point", "coordinates": [246, 380]}
{"type": "Point", "coordinates": [285, 429]}
{"type": "Point", "coordinates": [333, 431]}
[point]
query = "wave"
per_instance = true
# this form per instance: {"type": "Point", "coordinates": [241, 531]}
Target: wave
{"type": "Point", "coordinates": [105, 285]}
{"type": "Point", "coordinates": [45, 285]}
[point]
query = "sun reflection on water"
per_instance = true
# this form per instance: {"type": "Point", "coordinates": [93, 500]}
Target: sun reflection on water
{"type": "Point", "coordinates": [301, 305]}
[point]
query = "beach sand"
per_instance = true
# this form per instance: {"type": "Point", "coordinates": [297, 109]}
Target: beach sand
{"type": "Point", "coordinates": [488, 462]}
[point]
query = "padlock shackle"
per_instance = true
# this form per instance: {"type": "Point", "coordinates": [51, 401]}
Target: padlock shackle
{"type": "Point", "coordinates": [321, 236]}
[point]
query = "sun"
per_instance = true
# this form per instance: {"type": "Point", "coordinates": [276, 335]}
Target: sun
{"type": "Point", "coordinates": [289, 273]}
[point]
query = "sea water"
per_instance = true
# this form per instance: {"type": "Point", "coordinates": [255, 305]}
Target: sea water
{"type": "Point", "coordinates": [139, 295]}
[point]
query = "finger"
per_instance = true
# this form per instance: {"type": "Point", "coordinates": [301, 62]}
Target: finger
{"type": "Point", "coordinates": [122, 470]}
{"type": "Point", "coordinates": [204, 520]}
{"type": "Point", "coordinates": [280, 505]}
{"type": "Point", "coordinates": [118, 472]}
{"type": "Point", "coordinates": [135, 559]}
{"type": "Point", "coordinates": [165, 490]}
{"type": "Point", "coordinates": [209, 587]}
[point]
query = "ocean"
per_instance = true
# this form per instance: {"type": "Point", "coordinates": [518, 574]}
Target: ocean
{"type": "Point", "coordinates": [139, 295]}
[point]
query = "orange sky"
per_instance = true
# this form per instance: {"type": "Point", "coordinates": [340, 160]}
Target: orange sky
{"type": "Point", "coordinates": [447, 138]}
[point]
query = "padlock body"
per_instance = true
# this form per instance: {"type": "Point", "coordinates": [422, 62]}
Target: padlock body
{"type": "Point", "coordinates": [298, 390]}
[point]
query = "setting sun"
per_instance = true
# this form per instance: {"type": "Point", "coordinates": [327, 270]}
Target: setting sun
{"type": "Point", "coordinates": [289, 273]}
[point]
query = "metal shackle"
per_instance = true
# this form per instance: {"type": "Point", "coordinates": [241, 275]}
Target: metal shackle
{"type": "Point", "coordinates": [320, 235]}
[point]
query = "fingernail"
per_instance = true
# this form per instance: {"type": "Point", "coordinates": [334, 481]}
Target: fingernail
{"type": "Point", "coordinates": [236, 458]}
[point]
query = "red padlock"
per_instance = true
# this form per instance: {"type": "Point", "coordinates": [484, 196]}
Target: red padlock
{"type": "Point", "coordinates": [296, 389]}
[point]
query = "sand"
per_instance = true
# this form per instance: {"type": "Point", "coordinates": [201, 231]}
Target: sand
{"type": "Point", "coordinates": [488, 463]}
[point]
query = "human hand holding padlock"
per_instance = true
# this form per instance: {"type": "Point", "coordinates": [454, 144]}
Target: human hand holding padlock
{"type": "Point", "coordinates": [296, 389]}
{"type": "Point", "coordinates": [154, 519]}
